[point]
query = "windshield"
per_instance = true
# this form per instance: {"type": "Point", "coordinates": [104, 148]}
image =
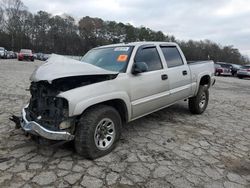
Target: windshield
{"type": "Point", "coordinates": [25, 51]}
{"type": "Point", "coordinates": [226, 66]}
{"type": "Point", "coordinates": [109, 58]}
{"type": "Point", "coordinates": [1, 49]}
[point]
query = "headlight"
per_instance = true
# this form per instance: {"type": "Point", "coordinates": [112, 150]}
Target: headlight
{"type": "Point", "coordinates": [65, 124]}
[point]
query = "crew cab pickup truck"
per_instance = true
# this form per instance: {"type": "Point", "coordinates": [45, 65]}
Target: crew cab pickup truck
{"type": "Point", "coordinates": [89, 100]}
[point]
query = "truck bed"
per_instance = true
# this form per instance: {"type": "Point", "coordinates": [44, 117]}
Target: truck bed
{"type": "Point", "coordinates": [199, 69]}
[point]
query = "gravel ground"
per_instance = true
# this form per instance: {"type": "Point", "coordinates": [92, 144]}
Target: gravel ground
{"type": "Point", "coordinates": [170, 148]}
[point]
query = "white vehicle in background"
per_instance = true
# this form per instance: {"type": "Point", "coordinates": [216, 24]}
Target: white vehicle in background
{"type": "Point", "coordinates": [11, 55]}
{"type": "Point", "coordinates": [3, 53]}
{"type": "Point", "coordinates": [88, 101]}
{"type": "Point", "coordinates": [244, 72]}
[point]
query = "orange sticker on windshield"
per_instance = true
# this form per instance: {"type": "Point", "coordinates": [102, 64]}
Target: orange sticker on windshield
{"type": "Point", "coordinates": [122, 58]}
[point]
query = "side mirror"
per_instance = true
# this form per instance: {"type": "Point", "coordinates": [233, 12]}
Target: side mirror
{"type": "Point", "coordinates": [139, 67]}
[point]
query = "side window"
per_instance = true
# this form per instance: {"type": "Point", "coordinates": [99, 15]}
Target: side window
{"type": "Point", "coordinates": [151, 57]}
{"type": "Point", "coordinates": [172, 56]}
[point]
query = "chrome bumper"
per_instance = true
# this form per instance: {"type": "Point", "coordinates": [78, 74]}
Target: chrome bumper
{"type": "Point", "coordinates": [243, 73]}
{"type": "Point", "coordinates": [34, 128]}
{"type": "Point", "coordinates": [226, 74]}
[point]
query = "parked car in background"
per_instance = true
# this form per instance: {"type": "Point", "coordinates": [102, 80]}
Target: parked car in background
{"type": "Point", "coordinates": [45, 57]}
{"type": "Point", "coordinates": [11, 55]}
{"type": "Point", "coordinates": [38, 56]}
{"type": "Point", "coordinates": [8, 55]}
{"type": "Point", "coordinates": [244, 72]}
{"type": "Point", "coordinates": [25, 54]}
{"type": "Point", "coordinates": [217, 69]}
{"type": "Point", "coordinates": [35, 55]}
{"type": "Point", "coordinates": [3, 53]}
{"type": "Point", "coordinates": [235, 69]}
{"type": "Point", "coordinates": [42, 56]}
{"type": "Point", "coordinates": [222, 69]}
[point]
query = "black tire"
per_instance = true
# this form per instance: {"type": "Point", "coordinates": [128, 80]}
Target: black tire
{"type": "Point", "coordinates": [194, 102]}
{"type": "Point", "coordinates": [240, 77]}
{"type": "Point", "coordinates": [85, 131]}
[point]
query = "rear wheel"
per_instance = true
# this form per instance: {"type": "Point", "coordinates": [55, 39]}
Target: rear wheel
{"type": "Point", "coordinates": [240, 77]}
{"type": "Point", "coordinates": [98, 131]}
{"type": "Point", "coordinates": [198, 104]}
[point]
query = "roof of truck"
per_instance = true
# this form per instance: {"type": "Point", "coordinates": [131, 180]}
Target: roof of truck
{"type": "Point", "coordinates": [139, 43]}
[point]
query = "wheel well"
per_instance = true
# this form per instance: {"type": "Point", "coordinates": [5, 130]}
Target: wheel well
{"type": "Point", "coordinates": [119, 105]}
{"type": "Point", "coordinates": [205, 80]}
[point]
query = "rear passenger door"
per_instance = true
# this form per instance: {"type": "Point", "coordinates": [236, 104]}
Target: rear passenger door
{"type": "Point", "coordinates": [178, 73]}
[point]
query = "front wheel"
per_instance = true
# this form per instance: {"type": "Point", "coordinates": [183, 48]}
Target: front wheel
{"type": "Point", "coordinates": [98, 131]}
{"type": "Point", "coordinates": [198, 104]}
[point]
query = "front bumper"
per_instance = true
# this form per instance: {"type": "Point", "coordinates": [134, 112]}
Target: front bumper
{"type": "Point", "coordinates": [226, 73]}
{"type": "Point", "coordinates": [245, 73]}
{"type": "Point", "coordinates": [34, 128]}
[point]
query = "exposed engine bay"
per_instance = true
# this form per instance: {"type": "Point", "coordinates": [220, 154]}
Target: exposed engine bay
{"type": "Point", "coordinates": [49, 110]}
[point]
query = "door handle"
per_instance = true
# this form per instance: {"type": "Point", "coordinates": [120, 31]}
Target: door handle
{"type": "Point", "coordinates": [184, 72]}
{"type": "Point", "coordinates": [164, 77]}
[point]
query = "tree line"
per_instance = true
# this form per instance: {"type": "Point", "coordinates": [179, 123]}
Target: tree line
{"type": "Point", "coordinates": [43, 32]}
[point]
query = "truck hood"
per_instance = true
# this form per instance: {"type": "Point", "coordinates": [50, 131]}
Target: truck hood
{"type": "Point", "coordinates": [58, 66]}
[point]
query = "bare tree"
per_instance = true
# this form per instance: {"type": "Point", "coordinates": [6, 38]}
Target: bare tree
{"type": "Point", "coordinates": [13, 12]}
{"type": "Point", "coordinates": [1, 19]}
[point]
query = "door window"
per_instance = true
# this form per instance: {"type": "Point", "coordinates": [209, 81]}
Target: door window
{"type": "Point", "coordinates": [149, 56]}
{"type": "Point", "coordinates": [172, 56]}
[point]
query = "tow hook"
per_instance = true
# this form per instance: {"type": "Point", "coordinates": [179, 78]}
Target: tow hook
{"type": "Point", "coordinates": [16, 120]}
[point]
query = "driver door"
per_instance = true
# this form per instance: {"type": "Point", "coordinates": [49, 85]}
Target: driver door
{"type": "Point", "coordinates": [148, 90]}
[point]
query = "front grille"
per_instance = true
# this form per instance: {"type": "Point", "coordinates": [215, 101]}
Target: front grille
{"type": "Point", "coordinates": [44, 107]}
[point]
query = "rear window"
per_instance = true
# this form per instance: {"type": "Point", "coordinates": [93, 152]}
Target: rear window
{"type": "Point", "coordinates": [172, 56]}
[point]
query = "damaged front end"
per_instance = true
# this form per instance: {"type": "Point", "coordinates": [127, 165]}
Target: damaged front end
{"type": "Point", "coordinates": [47, 115]}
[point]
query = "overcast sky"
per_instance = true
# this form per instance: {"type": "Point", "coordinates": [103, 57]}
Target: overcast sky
{"type": "Point", "coordinates": [224, 21]}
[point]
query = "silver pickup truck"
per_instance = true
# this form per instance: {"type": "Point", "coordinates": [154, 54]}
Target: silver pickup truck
{"type": "Point", "coordinates": [88, 101]}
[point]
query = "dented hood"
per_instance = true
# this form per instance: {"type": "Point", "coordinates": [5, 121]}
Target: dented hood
{"type": "Point", "coordinates": [58, 66]}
